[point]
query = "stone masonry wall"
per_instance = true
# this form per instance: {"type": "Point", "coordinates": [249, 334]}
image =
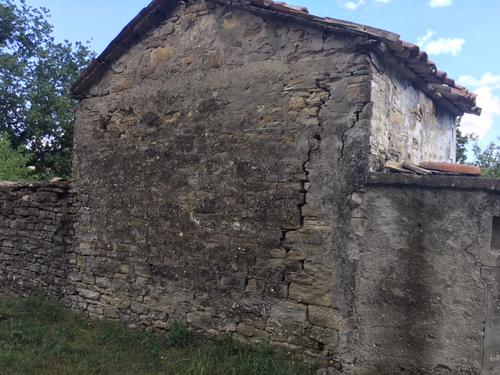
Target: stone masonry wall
{"type": "Point", "coordinates": [220, 180]}
{"type": "Point", "coordinates": [428, 284]}
{"type": "Point", "coordinates": [213, 163]}
{"type": "Point", "coordinates": [406, 123]}
{"type": "Point", "coordinates": [36, 228]}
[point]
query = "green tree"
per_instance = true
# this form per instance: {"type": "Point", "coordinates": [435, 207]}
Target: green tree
{"type": "Point", "coordinates": [463, 140]}
{"type": "Point", "coordinates": [36, 110]}
{"type": "Point", "coordinates": [13, 163]}
{"type": "Point", "coordinates": [488, 158]}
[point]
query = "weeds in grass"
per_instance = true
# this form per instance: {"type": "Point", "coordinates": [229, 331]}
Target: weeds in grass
{"type": "Point", "coordinates": [179, 336]}
{"type": "Point", "coordinates": [38, 336]}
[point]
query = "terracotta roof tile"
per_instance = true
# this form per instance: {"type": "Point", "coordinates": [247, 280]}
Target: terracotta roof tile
{"type": "Point", "coordinates": [405, 55]}
{"type": "Point", "coordinates": [452, 168]}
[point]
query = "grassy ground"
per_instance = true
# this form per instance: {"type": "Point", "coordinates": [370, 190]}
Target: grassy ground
{"type": "Point", "coordinates": [39, 337]}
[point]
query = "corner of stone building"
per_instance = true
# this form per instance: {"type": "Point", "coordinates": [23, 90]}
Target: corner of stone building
{"type": "Point", "coordinates": [284, 292]}
{"type": "Point", "coordinates": [36, 234]}
{"type": "Point", "coordinates": [406, 124]}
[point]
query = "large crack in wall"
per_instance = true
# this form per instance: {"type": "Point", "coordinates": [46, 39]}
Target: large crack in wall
{"type": "Point", "coordinates": [328, 279]}
{"type": "Point", "coordinates": [311, 107]}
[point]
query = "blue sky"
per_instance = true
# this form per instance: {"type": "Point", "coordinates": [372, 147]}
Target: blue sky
{"type": "Point", "coordinates": [460, 36]}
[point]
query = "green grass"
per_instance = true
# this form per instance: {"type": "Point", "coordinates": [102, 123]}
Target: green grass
{"type": "Point", "coordinates": [39, 337]}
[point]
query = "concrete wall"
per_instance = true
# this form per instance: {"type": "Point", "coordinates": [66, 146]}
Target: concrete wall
{"type": "Point", "coordinates": [212, 164]}
{"type": "Point", "coordinates": [36, 229]}
{"type": "Point", "coordinates": [427, 293]}
{"type": "Point", "coordinates": [406, 123]}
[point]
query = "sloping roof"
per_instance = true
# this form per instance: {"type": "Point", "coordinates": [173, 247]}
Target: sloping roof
{"type": "Point", "coordinates": [405, 57]}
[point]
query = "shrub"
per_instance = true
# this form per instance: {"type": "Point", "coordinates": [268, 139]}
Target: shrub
{"type": "Point", "coordinates": [179, 336]}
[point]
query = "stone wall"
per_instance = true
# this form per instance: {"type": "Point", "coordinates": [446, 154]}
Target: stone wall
{"type": "Point", "coordinates": [212, 163]}
{"type": "Point", "coordinates": [36, 228]}
{"type": "Point", "coordinates": [427, 292]}
{"type": "Point", "coordinates": [425, 270]}
{"type": "Point", "coordinates": [406, 123]}
{"type": "Point", "coordinates": [220, 179]}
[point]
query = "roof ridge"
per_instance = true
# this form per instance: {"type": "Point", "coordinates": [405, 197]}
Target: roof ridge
{"type": "Point", "coordinates": [405, 56]}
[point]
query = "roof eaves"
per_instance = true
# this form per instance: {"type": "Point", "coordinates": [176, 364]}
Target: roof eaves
{"type": "Point", "coordinates": [146, 19]}
{"type": "Point", "coordinates": [407, 57]}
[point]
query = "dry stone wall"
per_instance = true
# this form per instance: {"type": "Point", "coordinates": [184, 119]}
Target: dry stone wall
{"type": "Point", "coordinates": [212, 164]}
{"type": "Point", "coordinates": [36, 230]}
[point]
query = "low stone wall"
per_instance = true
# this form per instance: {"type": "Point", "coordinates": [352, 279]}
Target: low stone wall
{"type": "Point", "coordinates": [425, 296]}
{"type": "Point", "coordinates": [36, 228]}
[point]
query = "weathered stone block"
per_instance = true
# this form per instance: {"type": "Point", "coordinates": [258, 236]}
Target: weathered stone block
{"type": "Point", "coordinates": [251, 331]}
{"type": "Point", "coordinates": [297, 103]}
{"type": "Point", "coordinates": [327, 338]}
{"type": "Point", "coordinates": [299, 278]}
{"type": "Point", "coordinates": [124, 269]}
{"type": "Point", "coordinates": [288, 311]}
{"type": "Point", "coordinates": [325, 317]}
{"type": "Point", "coordinates": [139, 308]}
{"type": "Point", "coordinates": [103, 282]}
{"type": "Point", "coordinates": [278, 253]}
{"type": "Point", "coordinates": [161, 55]}
{"type": "Point", "coordinates": [310, 294]}
{"type": "Point", "coordinates": [89, 294]}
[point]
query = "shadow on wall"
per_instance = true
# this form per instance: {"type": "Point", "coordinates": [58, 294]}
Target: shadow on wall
{"type": "Point", "coordinates": [405, 293]}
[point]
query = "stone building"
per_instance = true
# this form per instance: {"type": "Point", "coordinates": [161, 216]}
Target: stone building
{"type": "Point", "coordinates": [228, 159]}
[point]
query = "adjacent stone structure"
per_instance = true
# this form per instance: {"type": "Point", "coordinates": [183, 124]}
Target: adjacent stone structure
{"type": "Point", "coordinates": [36, 230]}
{"type": "Point", "coordinates": [406, 123]}
{"type": "Point", "coordinates": [224, 153]}
{"type": "Point", "coordinates": [427, 295]}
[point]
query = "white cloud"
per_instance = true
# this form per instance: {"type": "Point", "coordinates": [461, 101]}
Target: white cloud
{"type": "Point", "coordinates": [353, 5]}
{"type": "Point", "coordinates": [488, 80]}
{"type": "Point", "coordinates": [445, 46]}
{"type": "Point", "coordinates": [425, 38]}
{"type": "Point", "coordinates": [440, 3]}
{"type": "Point", "coordinates": [440, 46]}
{"type": "Point", "coordinates": [487, 99]}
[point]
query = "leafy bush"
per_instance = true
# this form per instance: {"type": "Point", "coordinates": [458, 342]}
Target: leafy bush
{"type": "Point", "coordinates": [488, 159]}
{"type": "Point", "coordinates": [13, 163]}
{"type": "Point", "coordinates": [179, 336]}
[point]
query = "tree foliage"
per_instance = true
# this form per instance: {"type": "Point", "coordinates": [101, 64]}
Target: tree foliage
{"type": "Point", "coordinates": [36, 111]}
{"type": "Point", "coordinates": [13, 163]}
{"type": "Point", "coordinates": [462, 142]}
{"type": "Point", "coordinates": [488, 158]}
